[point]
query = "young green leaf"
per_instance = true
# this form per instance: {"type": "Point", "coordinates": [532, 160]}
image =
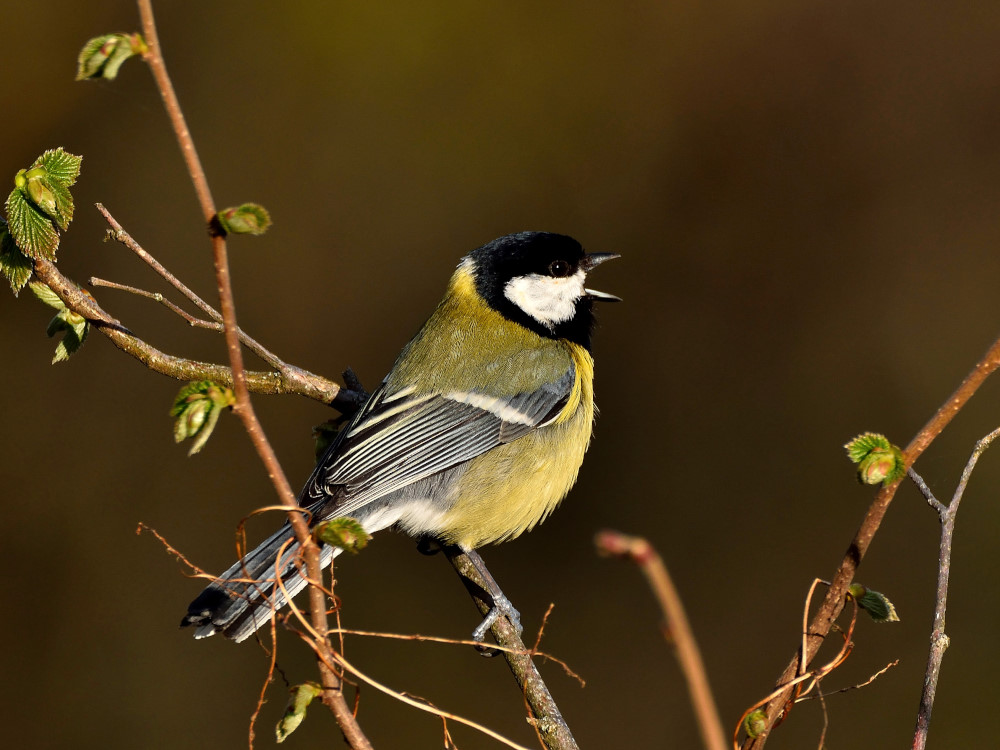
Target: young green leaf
{"type": "Point", "coordinates": [878, 460]}
{"type": "Point", "coordinates": [344, 533]}
{"type": "Point", "coordinates": [295, 712]}
{"type": "Point", "coordinates": [60, 165]}
{"type": "Point", "coordinates": [102, 56]}
{"type": "Point", "coordinates": [31, 230]}
{"type": "Point", "coordinates": [76, 329]}
{"type": "Point", "coordinates": [46, 295]}
{"type": "Point", "coordinates": [14, 264]}
{"type": "Point", "coordinates": [196, 410]}
{"type": "Point", "coordinates": [250, 218]}
{"type": "Point", "coordinates": [40, 197]}
{"type": "Point", "coordinates": [877, 605]}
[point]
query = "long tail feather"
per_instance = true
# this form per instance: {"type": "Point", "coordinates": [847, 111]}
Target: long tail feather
{"type": "Point", "coordinates": [244, 597]}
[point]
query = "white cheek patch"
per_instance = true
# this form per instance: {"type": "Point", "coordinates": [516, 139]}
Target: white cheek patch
{"type": "Point", "coordinates": [546, 299]}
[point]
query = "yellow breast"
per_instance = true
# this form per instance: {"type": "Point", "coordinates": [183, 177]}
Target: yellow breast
{"type": "Point", "coordinates": [513, 487]}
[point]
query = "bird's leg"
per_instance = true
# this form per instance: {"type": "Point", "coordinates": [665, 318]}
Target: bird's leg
{"type": "Point", "coordinates": [501, 604]}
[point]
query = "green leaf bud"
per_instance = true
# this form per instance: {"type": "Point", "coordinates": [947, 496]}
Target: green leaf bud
{"type": "Point", "coordinates": [877, 605]}
{"type": "Point", "coordinates": [345, 533]}
{"type": "Point", "coordinates": [249, 218]}
{"type": "Point", "coordinates": [755, 723]}
{"type": "Point", "coordinates": [196, 410]}
{"type": "Point", "coordinates": [41, 197]}
{"type": "Point", "coordinates": [102, 56]}
{"type": "Point", "coordinates": [74, 326]}
{"type": "Point", "coordinates": [878, 460]}
{"type": "Point", "coordinates": [295, 712]}
{"type": "Point", "coordinates": [41, 194]}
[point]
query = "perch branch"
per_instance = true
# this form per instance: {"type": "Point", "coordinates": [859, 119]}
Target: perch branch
{"type": "Point", "coordinates": [549, 722]}
{"type": "Point", "coordinates": [348, 398]}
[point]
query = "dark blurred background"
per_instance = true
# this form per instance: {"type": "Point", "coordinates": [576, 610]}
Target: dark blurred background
{"type": "Point", "coordinates": [805, 198]}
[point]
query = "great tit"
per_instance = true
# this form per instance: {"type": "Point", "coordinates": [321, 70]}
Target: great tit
{"type": "Point", "coordinates": [474, 436]}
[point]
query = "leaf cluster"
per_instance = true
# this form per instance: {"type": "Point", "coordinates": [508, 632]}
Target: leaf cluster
{"type": "Point", "coordinates": [196, 411]}
{"type": "Point", "coordinates": [39, 207]}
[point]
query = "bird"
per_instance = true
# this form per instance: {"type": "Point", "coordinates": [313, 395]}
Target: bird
{"type": "Point", "coordinates": [476, 434]}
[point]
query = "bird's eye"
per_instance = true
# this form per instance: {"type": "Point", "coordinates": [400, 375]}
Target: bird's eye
{"type": "Point", "coordinates": [559, 269]}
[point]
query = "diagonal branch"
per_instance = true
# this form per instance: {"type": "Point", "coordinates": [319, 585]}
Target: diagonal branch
{"type": "Point", "coordinates": [549, 722]}
{"type": "Point", "coordinates": [333, 697]}
{"type": "Point", "coordinates": [346, 398]}
{"type": "Point", "coordinates": [836, 595]}
{"type": "Point", "coordinates": [179, 368]}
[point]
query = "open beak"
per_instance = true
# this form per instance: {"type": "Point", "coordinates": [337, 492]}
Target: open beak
{"type": "Point", "coordinates": [592, 260]}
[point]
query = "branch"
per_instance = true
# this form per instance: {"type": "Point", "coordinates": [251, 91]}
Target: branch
{"type": "Point", "coordinates": [82, 303]}
{"type": "Point", "coordinates": [333, 697]}
{"type": "Point", "coordinates": [677, 629]}
{"type": "Point", "coordinates": [548, 721]}
{"type": "Point", "coordinates": [192, 321]}
{"type": "Point", "coordinates": [346, 398]}
{"type": "Point", "coordinates": [835, 598]}
{"type": "Point", "coordinates": [939, 640]}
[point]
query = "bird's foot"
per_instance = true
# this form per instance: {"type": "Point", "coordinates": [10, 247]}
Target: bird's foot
{"type": "Point", "coordinates": [501, 607]}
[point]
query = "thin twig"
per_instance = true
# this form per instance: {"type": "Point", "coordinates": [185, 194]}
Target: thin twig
{"type": "Point", "coordinates": [157, 297]}
{"type": "Point", "coordinates": [551, 725]}
{"type": "Point", "coordinates": [835, 598]}
{"type": "Point", "coordinates": [641, 552]}
{"type": "Point", "coordinates": [458, 642]}
{"type": "Point", "coordinates": [332, 696]}
{"type": "Point", "coordinates": [337, 662]}
{"type": "Point", "coordinates": [118, 234]}
{"type": "Point", "coordinates": [849, 688]}
{"type": "Point", "coordinates": [794, 685]}
{"type": "Point", "coordinates": [939, 639]}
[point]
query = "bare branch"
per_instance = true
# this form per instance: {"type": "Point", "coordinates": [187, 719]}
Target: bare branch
{"type": "Point", "coordinates": [82, 303]}
{"type": "Point", "coordinates": [549, 722]}
{"type": "Point", "coordinates": [157, 297]}
{"type": "Point", "coordinates": [346, 398]}
{"type": "Point", "coordinates": [939, 639]}
{"type": "Point", "coordinates": [677, 629]}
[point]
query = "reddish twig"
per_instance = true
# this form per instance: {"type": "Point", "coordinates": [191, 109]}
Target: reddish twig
{"type": "Point", "coordinates": [332, 695]}
{"type": "Point", "coordinates": [641, 552]}
{"type": "Point", "coordinates": [794, 688]}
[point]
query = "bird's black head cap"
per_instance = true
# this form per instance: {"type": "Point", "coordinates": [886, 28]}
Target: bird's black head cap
{"type": "Point", "coordinates": [535, 261]}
